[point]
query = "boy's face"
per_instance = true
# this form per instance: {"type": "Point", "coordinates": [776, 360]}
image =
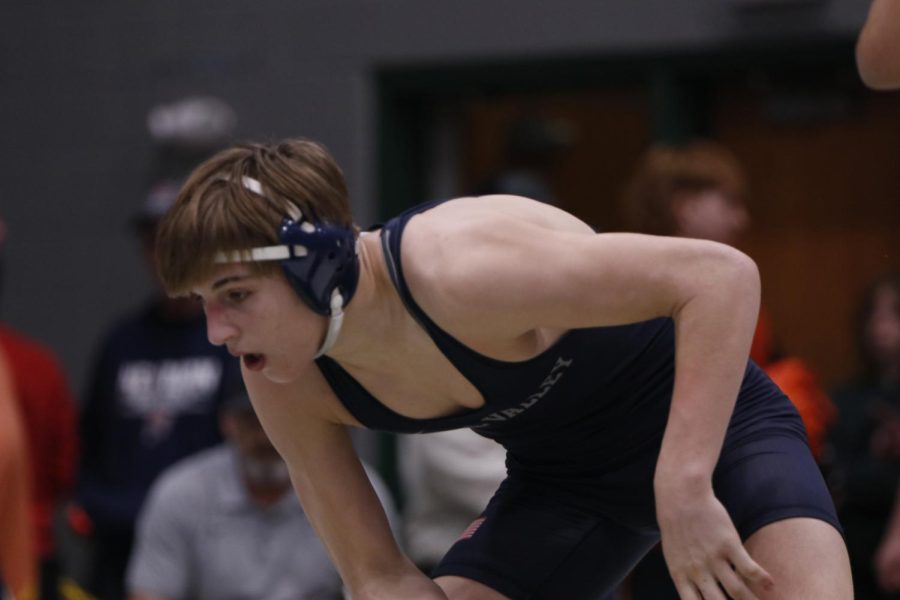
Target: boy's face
{"type": "Point", "coordinates": [261, 320]}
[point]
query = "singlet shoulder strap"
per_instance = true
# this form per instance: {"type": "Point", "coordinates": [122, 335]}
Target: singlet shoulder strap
{"type": "Point", "coordinates": [391, 234]}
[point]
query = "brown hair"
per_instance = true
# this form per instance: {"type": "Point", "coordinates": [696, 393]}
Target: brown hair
{"type": "Point", "coordinates": [215, 212]}
{"type": "Point", "coordinates": [667, 171]}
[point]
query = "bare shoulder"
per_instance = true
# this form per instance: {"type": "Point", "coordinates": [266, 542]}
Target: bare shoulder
{"type": "Point", "coordinates": [487, 212]}
{"type": "Point", "coordinates": [455, 232]}
{"type": "Point", "coordinates": [457, 250]}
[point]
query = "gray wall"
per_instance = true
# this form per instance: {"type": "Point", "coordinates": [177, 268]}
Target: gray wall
{"type": "Point", "coordinates": [77, 80]}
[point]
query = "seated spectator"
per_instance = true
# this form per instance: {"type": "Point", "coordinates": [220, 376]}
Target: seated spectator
{"type": "Point", "coordinates": [226, 525]}
{"type": "Point", "coordinates": [866, 439]}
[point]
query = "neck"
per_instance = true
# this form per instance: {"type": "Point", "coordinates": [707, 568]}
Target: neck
{"type": "Point", "coordinates": [368, 317]}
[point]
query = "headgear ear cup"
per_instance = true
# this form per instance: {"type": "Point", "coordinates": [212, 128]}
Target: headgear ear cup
{"type": "Point", "coordinates": [323, 260]}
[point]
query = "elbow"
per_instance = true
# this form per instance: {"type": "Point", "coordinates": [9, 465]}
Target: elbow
{"type": "Point", "coordinates": [742, 275]}
{"type": "Point", "coordinates": [728, 274]}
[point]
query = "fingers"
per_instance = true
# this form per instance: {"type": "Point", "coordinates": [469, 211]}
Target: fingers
{"type": "Point", "coordinates": [724, 582]}
{"type": "Point", "coordinates": [706, 590]}
{"type": "Point", "coordinates": [735, 586]}
{"type": "Point", "coordinates": [686, 591]}
{"type": "Point", "coordinates": [751, 572]}
{"type": "Point", "coordinates": [710, 590]}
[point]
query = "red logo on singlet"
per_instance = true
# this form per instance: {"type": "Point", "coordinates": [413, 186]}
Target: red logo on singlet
{"type": "Point", "coordinates": [471, 529]}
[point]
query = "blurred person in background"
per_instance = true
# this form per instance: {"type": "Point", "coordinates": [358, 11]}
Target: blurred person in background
{"type": "Point", "coordinates": [866, 439]}
{"type": "Point", "coordinates": [18, 570]}
{"type": "Point", "coordinates": [878, 46]}
{"type": "Point", "coordinates": [878, 59]}
{"type": "Point", "coordinates": [46, 407]}
{"type": "Point", "coordinates": [153, 396]}
{"type": "Point", "coordinates": [225, 525]}
{"type": "Point", "coordinates": [698, 189]}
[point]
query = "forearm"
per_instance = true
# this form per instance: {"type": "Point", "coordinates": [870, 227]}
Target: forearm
{"type": "Point", "coordinates": [713, 331]}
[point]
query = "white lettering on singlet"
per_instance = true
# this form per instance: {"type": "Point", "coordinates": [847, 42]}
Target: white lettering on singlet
{"type": "Point", "coordinates": [556, 373]}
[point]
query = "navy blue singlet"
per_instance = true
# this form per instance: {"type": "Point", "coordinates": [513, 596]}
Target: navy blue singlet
{"type": "Point", "coordinates": [582, 424]}
{"type": "Point", "coordinates": [604, 390]}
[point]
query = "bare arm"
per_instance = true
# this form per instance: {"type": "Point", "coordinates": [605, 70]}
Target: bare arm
{"type": "Point", "coordinates": [527, 275]}
{"type": "Point", "coordinates": [878, 47]}
{"type": "Point", "coordinates": [334, 489]}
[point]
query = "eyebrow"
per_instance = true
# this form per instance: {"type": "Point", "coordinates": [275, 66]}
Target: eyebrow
{"type": "Point", "coordinates": [226, 280]}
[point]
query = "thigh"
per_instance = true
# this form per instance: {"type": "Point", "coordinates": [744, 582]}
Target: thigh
{"type": "Point", "coordinates": [531, 543]}
{"type": "Point", "coordinates": [771, 479]}
{"type": "Point", "coordinates": [777, 498]}
{"type": "Point", "coordinates": [806, 558]}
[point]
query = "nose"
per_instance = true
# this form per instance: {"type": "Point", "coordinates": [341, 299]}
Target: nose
{"type": "Point", "coordinates": [218, 328]}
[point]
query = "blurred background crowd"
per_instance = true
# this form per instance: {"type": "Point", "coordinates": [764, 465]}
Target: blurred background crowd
{"type": "Point", "coordinates": [131, 463]}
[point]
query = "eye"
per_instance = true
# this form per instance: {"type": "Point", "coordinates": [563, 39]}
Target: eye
{"type": "Point", "coordinates": [236, 296]}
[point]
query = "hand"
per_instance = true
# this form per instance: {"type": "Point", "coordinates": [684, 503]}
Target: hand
{"type": "Point", "coordinates": [703, 550]}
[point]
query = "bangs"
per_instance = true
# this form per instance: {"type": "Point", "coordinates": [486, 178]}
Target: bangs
{"type": "Point", "coordinates": [210, 217]}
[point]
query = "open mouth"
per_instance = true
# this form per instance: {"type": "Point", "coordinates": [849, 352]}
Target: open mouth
{"type": "Point", "coordinates": [254, 362]}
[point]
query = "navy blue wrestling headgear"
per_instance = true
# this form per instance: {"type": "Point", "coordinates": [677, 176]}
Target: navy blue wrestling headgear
{"type": "Point", "coordinates": [320, 261]}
